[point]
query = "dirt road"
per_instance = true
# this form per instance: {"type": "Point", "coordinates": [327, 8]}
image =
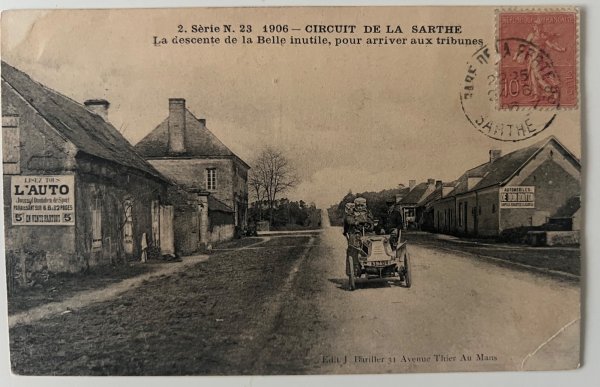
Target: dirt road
{"type": "Point", "coordinates": [283, 307]}
{"type": "Point", "coordinates": [497, 317]}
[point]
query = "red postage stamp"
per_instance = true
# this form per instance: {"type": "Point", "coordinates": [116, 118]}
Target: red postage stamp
{"type": "Point", "coordinates": [538, 59]}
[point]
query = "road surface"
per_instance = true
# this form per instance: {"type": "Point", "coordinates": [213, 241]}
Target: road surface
{"type": "Point", "coordinates": [280, 305]}
{"type": "Point", "coordinates": [496, 317]}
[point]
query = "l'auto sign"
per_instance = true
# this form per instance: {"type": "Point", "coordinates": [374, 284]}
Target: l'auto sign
{"type": "Point", "coordinates": [43, 200]}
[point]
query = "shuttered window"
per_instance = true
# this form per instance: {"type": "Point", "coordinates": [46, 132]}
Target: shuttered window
{"type": "Point", "coordinates": [128, 227]}
{"type": "Point", "coordinates": [97, 228]}
{"type": "Point", "coordinates": [11, 149]}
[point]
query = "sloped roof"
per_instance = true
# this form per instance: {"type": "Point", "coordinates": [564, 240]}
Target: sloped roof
{"type": "Point", "coordinates": [435, 195]}
{"type": "Point", "coordinates": [415, 195]}
{"type": "Point", "coordinates": [402, 192]}
{"type": "Point", "coordinates": [215, 204]}
{"type": "Point", "coordinates": [184, 174]}
{"type": "Point", "coordinates": [86, 130]}
{"type": "Point", "coordinates": [503, 168]}
{"type": "Point", "coordinates": [199, 141]}
{"type": "Point", "coordinates": [461, 185]}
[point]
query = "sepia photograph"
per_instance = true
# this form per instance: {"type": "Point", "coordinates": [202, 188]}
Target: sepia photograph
{"type": "Point", "coordinates": [292, 190]}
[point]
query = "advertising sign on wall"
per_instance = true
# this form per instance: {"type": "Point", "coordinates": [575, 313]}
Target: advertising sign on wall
{"type": "Point", "coordinates": [43, 200]}
{"type": "Point", "coordinates": [517, 197]}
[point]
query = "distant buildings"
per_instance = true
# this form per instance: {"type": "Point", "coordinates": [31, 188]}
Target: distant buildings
{"type": "Point", "coordinates": [411, 204]}
{"type": "Point", "coordinates": [76, 194]}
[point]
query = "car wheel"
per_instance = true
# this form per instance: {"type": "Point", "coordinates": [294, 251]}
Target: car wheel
{"type": "Point", "coordinates": [407, 271]}
{"type": "Point", "coordinates": [351, 276]}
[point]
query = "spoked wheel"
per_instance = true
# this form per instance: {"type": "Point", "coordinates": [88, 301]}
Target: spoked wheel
{"type": "Point", "coordinates": [351, 276]}
{"type": "Point", "coordinates": [407, 273]}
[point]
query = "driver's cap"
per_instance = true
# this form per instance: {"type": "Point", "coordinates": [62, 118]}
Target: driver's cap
{"type": "Point", "coordinates": [359, 201]}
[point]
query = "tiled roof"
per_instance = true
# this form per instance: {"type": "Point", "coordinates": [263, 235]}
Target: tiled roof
{"type": "Point", "coordinates": [435, 195]}
{"type": "Point", "coordinates": [461, 185]}
{"type": "Point", "coordinates": [199, 141]}
{"type": "Point", "coordinates": [415, 195]}
{"type": "Point", "coordinates": [501, 169]}
{"type": "Point", "coordinates": [86, 130]}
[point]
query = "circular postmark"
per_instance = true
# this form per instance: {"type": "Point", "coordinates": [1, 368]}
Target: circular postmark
{"type": "Point", "coordinates": [526, 76]}
{"type": "Point", "coordinates": [510, 92]}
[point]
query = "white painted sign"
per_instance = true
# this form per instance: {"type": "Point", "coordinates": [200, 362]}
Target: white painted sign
{"type": "Point", "coordinates": [43, 200]}
{"type": "Point", "coordinates": [517, 197]}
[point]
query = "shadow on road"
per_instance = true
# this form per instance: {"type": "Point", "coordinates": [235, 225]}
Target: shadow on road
{"type": "Point", "coordinates": [363, 283]}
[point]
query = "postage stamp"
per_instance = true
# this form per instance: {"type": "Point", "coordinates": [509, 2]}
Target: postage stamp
{"type": "Point", "coordinates": [480, 97]}
{"type": "Point", "coordinates": [538, 59]}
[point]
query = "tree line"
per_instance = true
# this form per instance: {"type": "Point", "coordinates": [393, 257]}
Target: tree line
{"type": "Point", "coordinates": [273, 174]}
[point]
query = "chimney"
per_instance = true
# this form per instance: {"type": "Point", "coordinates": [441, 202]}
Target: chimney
{"type": "Point", "coordinates": [411, 184]}
{"type": "Point", "coordinates": [495, 154]}
{"type": "Point", "coordinates": [438, 184]}
{"type": "Point", "coordinates": [176, 125]}
{"type": "Point", "coordinates": [99, 107]}
{"type": "Point", "coordinates": [430, 182]}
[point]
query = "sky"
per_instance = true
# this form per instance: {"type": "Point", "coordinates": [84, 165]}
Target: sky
{"type": "Point", "coordinates": [349, 118]}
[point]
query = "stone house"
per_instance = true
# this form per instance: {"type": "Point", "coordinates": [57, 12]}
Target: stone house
{"type": "Point", "coordinates": [76, 194]}
{"type": "Point", "coordinates": [184, 149]}
{"type": "Point", "coordinates": [524, 188]}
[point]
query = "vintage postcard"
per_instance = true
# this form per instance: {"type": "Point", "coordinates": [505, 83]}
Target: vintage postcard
{"type": "Point", "coordinates": [292, 190]}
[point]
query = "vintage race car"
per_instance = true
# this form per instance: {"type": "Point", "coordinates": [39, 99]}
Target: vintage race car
{"type": "Point", "coordinates": [377, 256]}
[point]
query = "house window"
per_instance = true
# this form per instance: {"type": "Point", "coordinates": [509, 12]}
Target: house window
{"type": "Point", "coordinates": [97, 228]}
{"type": "Point", "coordinates": [11, 149]}
{"type": "Point", "coordinates": [460, 214]}
{"type": "Point", "coordinates": [493, 208]}
{"type": "Point", "coordinates": [211, 179]}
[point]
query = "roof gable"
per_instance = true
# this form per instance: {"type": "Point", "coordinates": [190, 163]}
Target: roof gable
{"type": "Point", "coordinates": [433, 196]}
{"type": "Point", "coordinates": [86, 130]}
{"type": "Point", "coordinates": [462, 183]}
{"type": "Point", "coordinates": [198, 139]}
{"type": "Point", "coordinates": [503, 168]}
{"type": "Point", "coordinates": [416, 194]}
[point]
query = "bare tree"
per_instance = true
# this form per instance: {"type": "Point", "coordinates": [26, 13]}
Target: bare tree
{"type": "Point", "coordinates": [274, 174]}
{"type": "Point", "coordinates": [257, 191]}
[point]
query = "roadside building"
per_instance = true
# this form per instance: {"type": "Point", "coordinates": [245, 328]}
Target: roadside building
{"type": "Point", "coordinates": [402, 192]}
{"type": "Point", "coordinates": [185, 150]}
{"type": "Point", "coordinates": [428, 218]}
{"type": "Point", "coordinates": [439, 212]}
{"type": "Point", "coordinates": [412, 204]}
{"type": "Point", "coordinates": [76, 194]}
{"type": "Point", "coordinates": [525, 188]}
